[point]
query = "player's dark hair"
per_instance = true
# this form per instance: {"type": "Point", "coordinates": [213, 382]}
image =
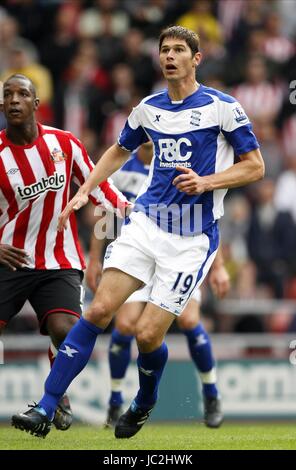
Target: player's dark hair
{"type": "Point", "coordinates": [22, 77]}
{"type": "Point", "coordinates": [190, 37]}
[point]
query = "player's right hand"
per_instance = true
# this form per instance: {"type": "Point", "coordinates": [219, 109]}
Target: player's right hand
{"type": "Point", "coordinates": [13, 257]}
{"type": "Point", "coordinates": [78, 201]}
{"type": "Point", "coordinates": [93, 273]}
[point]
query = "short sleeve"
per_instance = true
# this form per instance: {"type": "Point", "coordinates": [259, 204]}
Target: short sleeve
{"type": "Point", "coordinates": [133, 134]}
{"type": "Point", "coordinates": [236, 127]}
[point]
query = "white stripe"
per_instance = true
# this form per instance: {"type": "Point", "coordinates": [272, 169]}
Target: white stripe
{"type": "Point", "coordinates": [3, 206]}
{"type": "Point", "coordinates": [148, 180]}
{"type": "Point", "coordinates": [38, 169]}
{"type": "Point", "coordinates": [224, 160]}
{"type": "Point", "coordinates": [51, 234]}
{"type": "Point", "coordinates": [209, 377]}
{"type": "Point", "coordinates": [15, 180]}
{"type": "Point", "coordinates": [179, 122]}
{"type": "Point", "coordinates": [97, 193]}
{"type": "Point", "coordinates": [70, 249]}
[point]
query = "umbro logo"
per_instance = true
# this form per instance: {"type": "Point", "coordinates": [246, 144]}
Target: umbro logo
{"type": "Point", "coordinates": [157, 118]}
{"type": "Point", "coordinates": [12, 171]}
{"type": "Point", "coordinates": [68, 351]}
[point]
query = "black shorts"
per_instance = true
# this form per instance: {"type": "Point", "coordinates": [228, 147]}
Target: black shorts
{"type": "Point", "coordinates": [48, 291]}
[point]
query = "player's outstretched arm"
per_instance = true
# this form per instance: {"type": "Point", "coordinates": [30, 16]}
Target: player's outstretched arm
{"type": "Point", "coordinates": [248, 170]}
{"type": "Point", "coordinates": [110, 162]}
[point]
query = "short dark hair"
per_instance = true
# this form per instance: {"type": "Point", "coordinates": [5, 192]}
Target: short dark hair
{"type": "Point", "coordinates": [22, 77]}
{"type": "Point", "coordinates": [191, 38]}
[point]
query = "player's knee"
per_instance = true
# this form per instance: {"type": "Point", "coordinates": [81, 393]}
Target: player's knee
{"type": "Point", "coordinates": [125, 327]}
{"type": "Point", "coordinates": [58, 327]}
{"type": "Point", "coordinates": [187, 322]}
{"type": "Point", "coordinates": [99, 313]}
{"type": "Point", "coordinates": [147, 340]}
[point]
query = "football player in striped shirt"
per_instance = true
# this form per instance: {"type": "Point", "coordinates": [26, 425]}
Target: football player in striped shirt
{"type": "Point", "coordinates": [37, 263]}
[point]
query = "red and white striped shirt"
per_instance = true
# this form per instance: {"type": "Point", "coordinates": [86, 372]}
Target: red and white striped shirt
{"type": "Point", "coordinates": [34, 188]}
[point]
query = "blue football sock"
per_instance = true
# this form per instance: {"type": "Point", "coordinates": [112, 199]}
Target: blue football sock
{"type": "Point", "coordinates": [151, 366]}
{"type": "Point", "coordinates": [201, 352]}
{"type": "Point", "coordinates": [119, 359]}
{"type": "Point", "coordinates": [73, 355]}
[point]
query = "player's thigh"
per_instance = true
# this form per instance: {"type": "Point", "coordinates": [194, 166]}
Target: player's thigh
{"type": "Point", "coordinates": [127, 316]}
{"type": "Point", "coordinates": [60, 293]}
{"type": "Point", "coordinates": [113, 290]}
{"type": "Point", "coordinates": [152, 327]}
{"type": "Point", "coordinates": [190, 317]}
{"type": "Point", "coordinates": [15, 287]}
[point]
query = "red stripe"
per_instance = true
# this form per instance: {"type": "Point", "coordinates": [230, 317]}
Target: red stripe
{"type": "Point", "coordinates": [22, 222]}
{"type": "Point", "coordinates": [3, 323]}
{"type": "Point", "coordinates": [59, 251]}
{"type": "Point", "coordinates": [48, 207]}
{"type": "Point", "coordinates": [109, 194]}
{"type": "Point", "coordinates": [9, 196]}
{"type": "Point", "coordinates": [112, 196]}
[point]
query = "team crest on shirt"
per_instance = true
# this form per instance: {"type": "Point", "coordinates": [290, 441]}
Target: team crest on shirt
{"type": "Point", "coordinates": [58, 156]}
{"type": "Point", "coordinates": [195, 117]}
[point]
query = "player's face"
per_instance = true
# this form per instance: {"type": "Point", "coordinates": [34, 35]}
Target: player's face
{"type": "Point", "coordinates": [19, 102]}
{"type": "Point", "coordinates": [176, 59]}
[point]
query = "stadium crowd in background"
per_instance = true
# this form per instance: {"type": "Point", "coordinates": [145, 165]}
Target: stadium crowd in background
{"type": "Point", "coordinates": [95, 60]}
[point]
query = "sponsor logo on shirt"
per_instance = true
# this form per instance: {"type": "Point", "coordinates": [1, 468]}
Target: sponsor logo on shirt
{"type": "Point", "coordinates": [54, 182]}
{"type": "Point", "coordinates": [174, 152]}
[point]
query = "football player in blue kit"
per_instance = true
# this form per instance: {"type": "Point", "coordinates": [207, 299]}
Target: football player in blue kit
{"type": "Point", "coordinates": [129, 180]}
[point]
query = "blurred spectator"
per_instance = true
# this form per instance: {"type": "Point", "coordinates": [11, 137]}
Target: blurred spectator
{"type": "Point", "coordinates": [285, 192]}
{"type": "Point", "coordinates": [80, 97]}
{"type": "Point", "coordinates": [23, 58]}
{"type": "Point", "coordinates": [200, 19]}
{"type": "Point", "coordinates": [8, 33]}
{"type": "Point", "coordinates": [140, 63]}
{"type": "Point", "coordinates": [269, 140]}
{"type": "Point", "coordinates": [271, 240]}
{"type": "Point", "coordinates": [234, 226]}
{"type": "Point", "coordinates": [260, 98]}
{"type": "Point", "coordinates": [104, 18]}
{"type": "Point", "coordinates": [2, 118]}
{"type": "Point", "coordinates": [253, 15]}
{"type": "Point", "coordinates": [59, 46]}
{"type": "Point", "coordinates": [148, 15]}
{"type": "Point", "coordinates": [276, 46]}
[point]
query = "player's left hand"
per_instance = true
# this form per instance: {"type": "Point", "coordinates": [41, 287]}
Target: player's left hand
{"type": "Point", "coordinates": [190, 182]}
{"type": "Point", "coordinates": [219, 281]}
{"type": "Point", "coordinates": [78, 201]}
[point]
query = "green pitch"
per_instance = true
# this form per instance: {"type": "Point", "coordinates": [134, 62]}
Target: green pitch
{"type": "Point", "coordinates": [158, 437]}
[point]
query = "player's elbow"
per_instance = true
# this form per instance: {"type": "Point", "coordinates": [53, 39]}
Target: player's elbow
{"type": "Point", "coordinates": [259, 171]}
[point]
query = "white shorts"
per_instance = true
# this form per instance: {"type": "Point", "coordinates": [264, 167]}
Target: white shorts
{"type": "Point", "coordinates": [143, 295]}
{"type": "Point", "coordinates": [175, 265]}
